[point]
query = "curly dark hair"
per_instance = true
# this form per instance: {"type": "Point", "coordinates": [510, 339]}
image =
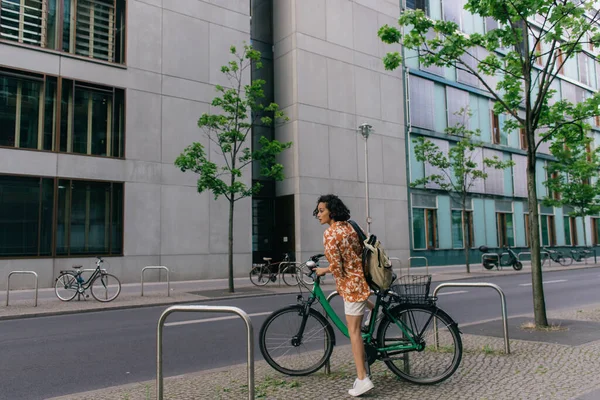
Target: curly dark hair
{"type": "Point", "coordinates": [337, 209]}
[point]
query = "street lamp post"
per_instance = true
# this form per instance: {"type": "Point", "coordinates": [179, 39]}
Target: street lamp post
{"type": "Point", "coordinates": [365, 130]}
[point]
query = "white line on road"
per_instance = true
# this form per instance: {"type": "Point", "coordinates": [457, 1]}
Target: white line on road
{"type": "Point", "coordinates": [456, 292]}
{"type": "Point", "coordinates": [556, 281]}
{"type": "Point", "coordinates": [200, 321]}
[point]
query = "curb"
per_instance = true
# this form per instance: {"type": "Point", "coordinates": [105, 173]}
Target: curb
{"type": "Point", "coordinates": [132, 306]}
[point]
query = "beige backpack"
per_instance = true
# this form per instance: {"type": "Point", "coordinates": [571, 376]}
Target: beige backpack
{"type": "Point", "coordinates": [376, 263]}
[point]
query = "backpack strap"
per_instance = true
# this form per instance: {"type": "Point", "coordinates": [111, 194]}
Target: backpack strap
{"type": "Point", "coordinates": [359, 232]}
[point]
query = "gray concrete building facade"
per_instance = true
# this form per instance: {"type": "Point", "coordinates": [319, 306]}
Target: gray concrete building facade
{"type": "Point", "coordinates": [98, 98]}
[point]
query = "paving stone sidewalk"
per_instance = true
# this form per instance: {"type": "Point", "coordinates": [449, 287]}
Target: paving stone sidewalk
{"type": "Point", "coordinates": [534, 370]}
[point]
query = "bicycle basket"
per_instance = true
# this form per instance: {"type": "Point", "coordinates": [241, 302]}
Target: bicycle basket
{"type": "Point", "coordinates": [412, 289]}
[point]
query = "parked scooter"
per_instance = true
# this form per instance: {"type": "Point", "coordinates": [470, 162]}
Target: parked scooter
{"type": "Point", "coordinates": [496, 259]}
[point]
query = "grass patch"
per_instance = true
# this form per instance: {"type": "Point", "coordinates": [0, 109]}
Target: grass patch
{"type": "Point", "coordinates": [268, 385]}
{"type": "Point", "coordinates": [531, 326]}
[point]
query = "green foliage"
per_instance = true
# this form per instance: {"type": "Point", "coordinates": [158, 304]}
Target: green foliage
{"type": "Point", "coordinates": [241, 106]}
{"type": "Point", "coordinates": [574, 176]}
{"type": "Point", "coordinates": [459, 170]}
{"type": "Point", "coordinates": [502, 53]}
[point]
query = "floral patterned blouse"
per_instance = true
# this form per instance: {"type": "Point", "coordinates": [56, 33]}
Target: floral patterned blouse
{"type": "Point", "coordinates": [343, 250]}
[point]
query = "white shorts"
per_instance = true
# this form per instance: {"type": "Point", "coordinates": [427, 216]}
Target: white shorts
{"type": "Point", "coordinates": [357, 309]}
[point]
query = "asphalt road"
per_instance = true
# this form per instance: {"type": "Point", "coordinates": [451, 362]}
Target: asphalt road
{"type": "Point", "coordinates": [52, 356]}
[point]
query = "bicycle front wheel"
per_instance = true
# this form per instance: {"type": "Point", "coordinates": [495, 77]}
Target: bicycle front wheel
{"type": "Point", "coordinates": [106, 287]}
{"type": "Point", "coordinates": [66, 286]}
{"type": "Point", "coordinates": [260, 276]}
{"type": "Point", "coordinates": [435, 362]}
{"type": "Point", "coordinates": [291, 275]}
{"type": "Point", "coordinates": [290, 354]}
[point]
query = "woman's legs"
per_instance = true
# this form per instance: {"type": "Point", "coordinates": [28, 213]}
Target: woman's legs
{"type": "Point", "coordinates": [358, 347]}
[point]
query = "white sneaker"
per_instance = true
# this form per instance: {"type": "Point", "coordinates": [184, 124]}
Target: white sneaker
{"type": "Point", "coordinates": [361, 387]}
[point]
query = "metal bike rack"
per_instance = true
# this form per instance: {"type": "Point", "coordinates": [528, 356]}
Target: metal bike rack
{"type": "Point", "coordinates": [479, 284]}
{"type": "Point", "coordinates": [157, 268]}
{"type": "Point", "coordinates": [541, 252]}
{"type": "Point", "coordinates": [209, 309]}
{"type": "Point", "coordinates": [22, 273]}
{"type": "Point", "coordinates": [419, 258]}
{"type": "Point", "coordinates": [399, 262]}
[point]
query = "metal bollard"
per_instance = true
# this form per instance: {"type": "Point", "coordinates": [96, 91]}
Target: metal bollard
{"type": "Point", "coordinates": [22, 273]}
{"type": "Point", "coordinates": [481, 284]}
{"type": "Point", "coordinates": [159, 268]}
{"type": "Point", "coordinates": [209, 309]}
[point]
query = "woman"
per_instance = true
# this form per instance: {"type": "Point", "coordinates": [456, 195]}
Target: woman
{"type": "Point", "coordinates": [343, 250]}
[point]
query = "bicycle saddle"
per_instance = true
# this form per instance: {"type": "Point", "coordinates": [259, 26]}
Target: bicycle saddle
{"type": "Point", "coordinates": [267, 258]}
{"type": "Point", "coordinates": [77, 266]}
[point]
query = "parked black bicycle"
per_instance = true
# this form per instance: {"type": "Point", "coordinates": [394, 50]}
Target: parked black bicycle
{"type": "Point", "coordinates": [556, 256]}
{"type": "Point", "coordinates": [500, 258]}
{"type": "Point", "coordinates": [105, 287]}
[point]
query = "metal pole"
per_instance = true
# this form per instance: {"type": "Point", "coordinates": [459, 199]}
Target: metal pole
{"type": "Point", "coordinates": [365, 131]}
{"type": "Point", "coordinates": [481, 284]}
{"type": "Point", "coordinates": [209, 309]}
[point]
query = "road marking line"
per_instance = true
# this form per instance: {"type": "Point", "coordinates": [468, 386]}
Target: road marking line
{"type": "Point", "coordinates": [200, 321]}
{"type": "Point", "coordinates": [456, 292]}
{"type": "Point", "coordinates": [556, 281]}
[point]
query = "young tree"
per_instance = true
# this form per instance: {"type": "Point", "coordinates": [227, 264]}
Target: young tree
{"type": "Point", "coordinates": [240, 106]}
{"type": "Point", "coordinates": [533, 41]}
{"type": "Point", "coordinates": [573, 178]}
{"type": "Point", "coordinates": [458, 169]}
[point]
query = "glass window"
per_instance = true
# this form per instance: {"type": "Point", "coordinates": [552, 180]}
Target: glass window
{"type": "Point", "coordinates": [457, 229]}
{"type": "Point", "coordinates": [425, 228]}
{"type": "Point", "coordinates": [422, 103]}
{"type": "Point", "coordinates": [419, 228]}
{"type": "Point", "coordinates": [505, 228]}
{"type": "Point", "coordinates": [567, 228]}
{"type": "Point", "coordinates": [92, 120]}
{"type": "Point", "coordinates": [595, 231]}
{"type": "Point", "coordinates": [90, 218]}
{"type": "Point", "coordinates": [418, 5]}
{"type": "Point", "coordinates": [27, 109]}
{"type": "Point", "coordinates": [91, 28]}
{"type": "Point", "coordinates": [95, 28]}
{"type": "Point", "coordinates": [25, 216]}
{"type": "Point", "coordinates": [548, 230]}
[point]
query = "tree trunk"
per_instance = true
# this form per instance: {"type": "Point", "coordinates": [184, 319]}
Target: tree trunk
{"type": "Point", "coordinates": [230, 267]}
{"type": "Point", "coordinates": [584, 233]}
{"type": "Point", "coordinates": [539, 304]}
{"type": "Point", "coordinates": [465, 236]}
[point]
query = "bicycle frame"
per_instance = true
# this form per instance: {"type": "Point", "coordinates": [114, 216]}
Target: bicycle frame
{"type": "Point", "coordinates": [86, 284]}
{"type": "Point", "coordinates": [317, 293]}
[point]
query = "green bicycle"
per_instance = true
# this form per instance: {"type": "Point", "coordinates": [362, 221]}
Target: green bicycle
{"type": "Point", "coordinates": [415, 339]}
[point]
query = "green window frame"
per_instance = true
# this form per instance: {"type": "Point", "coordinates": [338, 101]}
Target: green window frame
{"type": "Point", "coordinates": [547, 230]}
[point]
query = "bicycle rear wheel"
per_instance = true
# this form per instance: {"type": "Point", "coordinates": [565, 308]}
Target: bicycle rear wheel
{"type": "Point", "coordinates": [290, 275]}
{"type": "Point", "coordinates": [432, 364]}
{"type": "Point", "coordinates": [66, 286]}
{"type": "Point", "coordinates": [563, 260]}
{"type": "Point", "coordinates": [291, 355]}
{"type": "Point", "coordinates": [106, 287]}
{"type": "Point", "coordinates": [260, 275]}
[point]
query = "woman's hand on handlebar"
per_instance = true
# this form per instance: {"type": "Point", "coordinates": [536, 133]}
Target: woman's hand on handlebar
{"type": "Point", "coordinates": [321, 271]}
